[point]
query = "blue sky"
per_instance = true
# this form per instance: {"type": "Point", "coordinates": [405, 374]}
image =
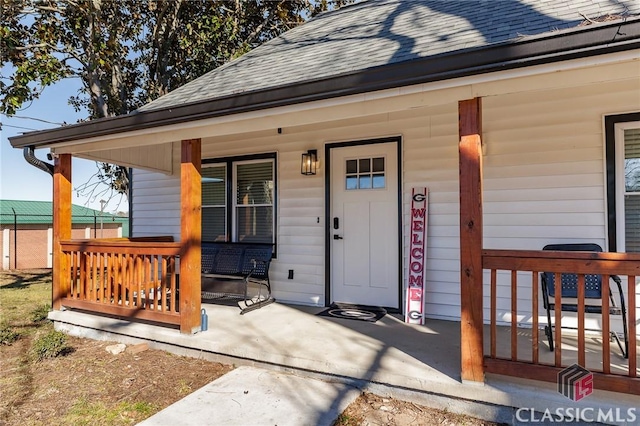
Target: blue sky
{"type": "Point", "coordinates": [21, 181]}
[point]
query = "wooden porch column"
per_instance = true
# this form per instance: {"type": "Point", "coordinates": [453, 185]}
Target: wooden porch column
{"type": "Point", "coordinates": [190, 236]}
{"type": "Point", "coordinates": [61, 226]}
{"type": "Point", "coordinates": [470, 151]}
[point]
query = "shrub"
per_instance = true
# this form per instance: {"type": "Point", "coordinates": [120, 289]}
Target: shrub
{"type": "Point", "coordinates": [50, 345]}
{"type": "Point", "coordinates": [40, 313]}
{"type": "Point", "coordinates": [8, 335]}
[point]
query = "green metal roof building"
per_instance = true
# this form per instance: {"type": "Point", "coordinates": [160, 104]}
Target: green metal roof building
{"type": "Point", "coordinates": [26, 231]}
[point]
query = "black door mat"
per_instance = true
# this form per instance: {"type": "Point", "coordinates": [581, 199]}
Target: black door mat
{"type": "Point", "coordinates": [355, 312]}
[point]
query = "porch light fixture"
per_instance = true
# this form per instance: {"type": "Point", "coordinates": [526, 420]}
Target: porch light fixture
{"type": "Point", "coordinates": [309, 162]}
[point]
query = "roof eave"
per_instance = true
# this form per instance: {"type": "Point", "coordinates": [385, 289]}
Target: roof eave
{"type": "Point", "coordinates": [590, 41]}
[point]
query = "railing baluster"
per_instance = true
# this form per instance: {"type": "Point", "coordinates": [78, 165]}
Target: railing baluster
{"type": "Point", "coordinates": [130, 279]}
{"type": "Point", "coordinates": [118, 279]}
{"type": "Point", "coordinates": [141, 282]}
{"type": "Point", "coordinates": [83, 276]}
{"type": "Point", "coordinates": [98, 277]}
{"type": "Point", "coordinates": [172, 275]}
{"type": "Point", "coordinates": [122, 284]}
{"type": "Point", "coordinates": [94, 277]}
{"type": "Point", "coordinates": [165, 278]}
{"type": "Point", "coordinates": [157, 283]}
{"type": "Point", "coordinates": [104, 277]}
{"type": "Point", "coordinates": [514, 315]}
{"type": "Point", "coordinates": [557, 297]}
{"type": "Point", "coordinates": [88, 277]}
{"type": "Point", "coordinates": [581, 336]}
{"type": "Point", "coordinates": [135, 280]}
{"type": "Point", "coordinates": [70, 275]}
{"type": "Point", "coordinates": [494, 310]}
{"type": "Point", "coordinates": [74, 275]}
{"type": "Point", "coordinates": [135, 283]}
{"type": "Point", "coordinates": [147, 279]}
{"type": "Point", "coordinates": [606, 348]}
{"type": "Point", "coordinates": [631, 296]}
{"type": "Point", "coordinates": [110, 278]}
{"type": "Point", "coordinates": [534, 316]}
{"type": "Point", "coordinates": [65, 284]}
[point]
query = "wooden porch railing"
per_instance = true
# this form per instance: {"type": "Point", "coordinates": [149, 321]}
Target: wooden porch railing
{"type": "Point", "coordinates": [580, 263]}
{"type": "Point", "coordinates": [128, 277]}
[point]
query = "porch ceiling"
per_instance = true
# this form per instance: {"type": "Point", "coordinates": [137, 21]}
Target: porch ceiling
{"type": "Point", "coordinates": [156, 158]}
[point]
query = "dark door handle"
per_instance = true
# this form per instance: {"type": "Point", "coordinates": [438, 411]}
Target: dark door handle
{"type": "Point", "coordinates": [337, 237]}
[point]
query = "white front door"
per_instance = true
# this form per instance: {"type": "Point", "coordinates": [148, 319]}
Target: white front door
{"type": "Point", "coordinates": [364, 225]}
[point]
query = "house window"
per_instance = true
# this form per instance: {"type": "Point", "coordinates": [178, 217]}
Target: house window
{"type": "Point", "coordinates": [214, 203]}
{"type": "Point", "coordinates": [623, 187]}
{"type": "Point", "coordinates": [628, 151]}
{"type": "Point", "coordinates": [238, 199]}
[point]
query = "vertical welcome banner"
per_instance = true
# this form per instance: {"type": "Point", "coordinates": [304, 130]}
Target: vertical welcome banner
{"type": "Point", "coordinates": [414, 312]}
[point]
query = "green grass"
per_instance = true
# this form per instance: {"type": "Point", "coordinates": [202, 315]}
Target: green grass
{"type": "Point", "coordinates": [85, 412]}
{"type": "Point", "coordinates": [22, 294]}
{"type": "Point", "coordinates": [345, 420]}
{"type": "Point", "coordinates": [8, 335]}
{"type": "Point", "coordinates": [50, 345]}
{"type": "Point", "coordinates": [40, 313]}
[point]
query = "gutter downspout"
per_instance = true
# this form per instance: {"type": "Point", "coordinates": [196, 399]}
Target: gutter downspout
{"type": "Point", "coordinates": [30, 157]}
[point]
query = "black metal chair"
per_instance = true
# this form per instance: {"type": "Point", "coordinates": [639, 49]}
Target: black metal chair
{"type": "Point", "coordinates": [593, 290]}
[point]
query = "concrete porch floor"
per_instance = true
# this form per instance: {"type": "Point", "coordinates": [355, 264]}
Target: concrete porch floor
{"type": "Point", "coordinates": [389, 357]}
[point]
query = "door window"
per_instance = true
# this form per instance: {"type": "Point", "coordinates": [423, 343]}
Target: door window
{"type": "Point", "coordinates": [365, 173]}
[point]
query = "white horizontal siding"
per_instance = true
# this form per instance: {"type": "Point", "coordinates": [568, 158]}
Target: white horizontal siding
{"type": "Point", "coordinates": [156, 202]}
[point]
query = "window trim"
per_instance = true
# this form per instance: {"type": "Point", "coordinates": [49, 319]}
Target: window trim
{"type": "Point", "coordinates": [614, 124]}
{"type": "Point", "coordinates": [230, 163]}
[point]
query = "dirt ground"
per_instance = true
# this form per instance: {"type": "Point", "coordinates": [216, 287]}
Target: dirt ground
{"type": "Point", "coordinates": [91, 386]}
{"type": "Point", "coordinates": [374, 410]}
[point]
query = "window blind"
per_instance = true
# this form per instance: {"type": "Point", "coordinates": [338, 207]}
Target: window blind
{"type": "Point", "coordinates": [632, 189]}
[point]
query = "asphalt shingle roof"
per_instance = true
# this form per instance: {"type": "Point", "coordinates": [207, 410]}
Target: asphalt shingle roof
{"type": "Point", "coordinates": [376, 33]}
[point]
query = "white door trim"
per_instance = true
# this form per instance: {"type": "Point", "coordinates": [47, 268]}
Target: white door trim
{"type": "Point", "coordinates": [328, 218]}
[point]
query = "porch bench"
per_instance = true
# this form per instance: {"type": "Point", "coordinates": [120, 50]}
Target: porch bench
{"type": "Point", "coordinates": [229, 268]}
